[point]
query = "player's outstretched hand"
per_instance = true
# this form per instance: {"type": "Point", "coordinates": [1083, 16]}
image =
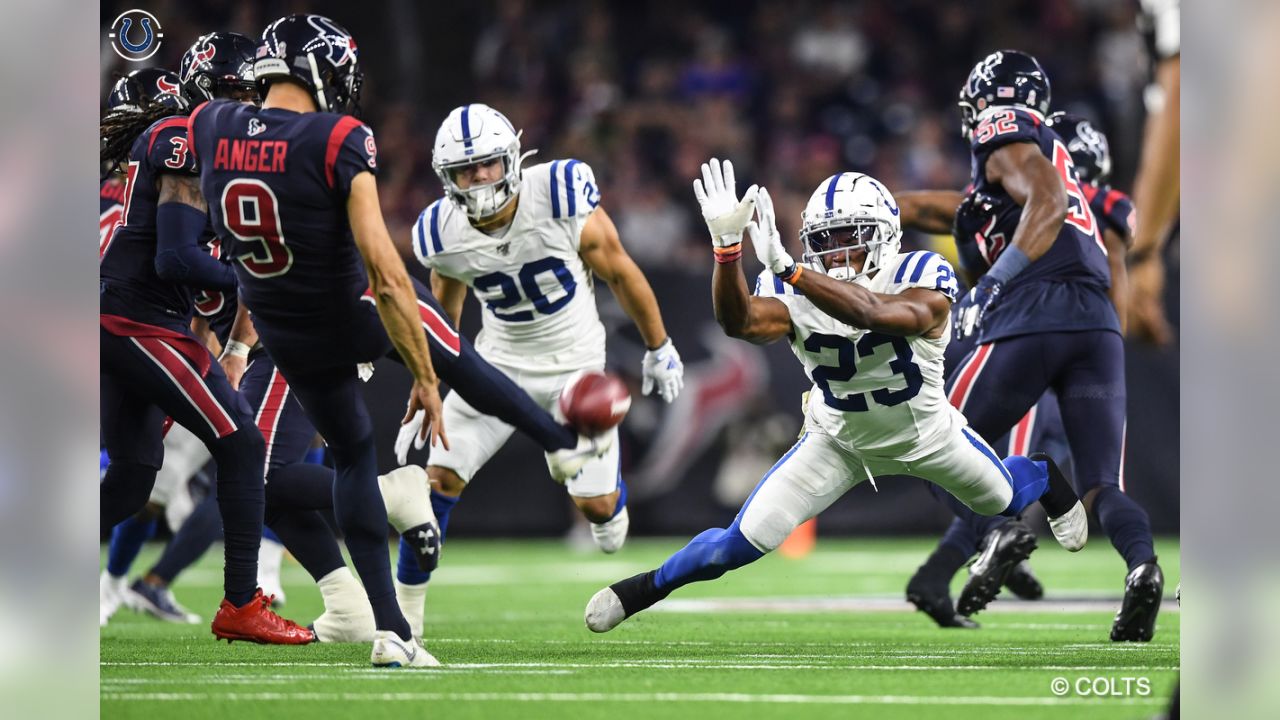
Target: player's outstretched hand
{"type": "Point", "coordinates": [1147, 319]}
{"type": "Point", "coordinates": [663, 370]}
{"type": "Point", "coordinates": [973, 307]}
{"type": "Point", "coordinates": [717, 194]}
{"type": "Point", "coordinates": [426, 397]}
{"type": "Point", "coordinates": [765, 238]}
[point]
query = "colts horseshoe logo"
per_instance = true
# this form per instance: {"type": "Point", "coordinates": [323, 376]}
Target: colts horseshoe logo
{"type": "Point", "coordinates": [135, 35]}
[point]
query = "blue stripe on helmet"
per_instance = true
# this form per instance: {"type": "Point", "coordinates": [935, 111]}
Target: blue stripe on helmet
{"type": "Point", "coordinates": [435, 227]}
{"type": "Point", "coordinates": [568, 187]}
{"type": "Point", "coordinates": [466, 129]}
{"type": "Point", "coordinates": [555, 190]}
{"type": "Point", "coordinates": [831, 191]}
{"type": "Point", "coordinates": [915, 275]}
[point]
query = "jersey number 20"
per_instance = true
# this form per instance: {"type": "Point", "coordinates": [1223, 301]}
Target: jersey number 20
{"type": "Point", "coordinates": [510, 294]}
{"type": "Point", "coordinates": [846, 367]}
{"type": "Point", "coordinates": [251, 212]}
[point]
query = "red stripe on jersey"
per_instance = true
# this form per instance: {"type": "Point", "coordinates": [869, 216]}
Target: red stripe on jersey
{"type": "Point", "coordinates": [191, 127]}
{"type": "Point", "coordinates": [1112, 197]}
{"type": "Point", "coordinates": [165, 124]}
{"type": "Point", "coordinates": [188, 382]}
{"type": "Point", "coordinates": [337, 136]}
{"type": "Point", "coordinates": [190, 348]}
{"type": "Point", "coordinates": [270, 411]}
{"type": "Point", "coordinates": [969, 376]}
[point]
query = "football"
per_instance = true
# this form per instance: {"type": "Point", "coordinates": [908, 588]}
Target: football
{"type": "Point", "coordinates": [595, 402]}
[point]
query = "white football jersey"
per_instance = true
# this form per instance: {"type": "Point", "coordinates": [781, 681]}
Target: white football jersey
{"type": "Point", "coordinates": [876, 394]}
{"type": "Point", "coordinates": [539, 302]}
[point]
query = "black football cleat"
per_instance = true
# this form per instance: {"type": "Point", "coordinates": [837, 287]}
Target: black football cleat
{"type": "Point", "coordinates": [1143, 590]}
{"type": "Point", "coordinates": [1024, 583]}
{"type": "Point", "coordinates": [1006, 546]}
{"type": "Point", "coordinates": [930, 597]}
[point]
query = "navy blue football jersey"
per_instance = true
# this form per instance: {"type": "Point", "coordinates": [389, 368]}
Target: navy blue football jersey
{"type": "Point", "coordinates": [1113, 209]}
{"type": "Point", "coordinates": [216, 306]}
{"type": "Point", "coordinates": [1066, 288]}
{"type": "Point", "coordinates": [277, 183]}
{"type": "Point", "coordinates": [129, 285]}
{"type": "Point", "coordinates": [110, 210]}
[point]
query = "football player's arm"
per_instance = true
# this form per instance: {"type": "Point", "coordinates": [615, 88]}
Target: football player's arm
{"type": "Point", "coordinates": [915, 311]}
{"type": "Point", "coordinates": [396, 301]}
{"type": "Point", "coordinates": [181, 218]}
{"type": "Point", "coordinates": [1031, 180]}
{"type": "Point", "coordinates": [235, 356]}
{"type": "Point", "coordinates": [200, 328]}
{"type": "Point", "coordinates": [759, 320]}
{"type": "Point", "coordinates": [1119, 291]}
{"type": "Point", "coordinates": [451, 294]}
{"type": "Point", "coordinates": [602, 251]}
{"type": "Point", "coordinates": [930, 211]}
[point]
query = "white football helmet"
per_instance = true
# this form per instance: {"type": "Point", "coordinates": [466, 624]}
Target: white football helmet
{"type": "Point", "coordinates": [850, 211]}
{"type": "Point", "coordinates": [472, 134]}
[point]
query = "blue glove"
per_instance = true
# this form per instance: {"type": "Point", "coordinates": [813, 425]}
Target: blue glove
{"type": "Point", "coordinates": [973, 307]}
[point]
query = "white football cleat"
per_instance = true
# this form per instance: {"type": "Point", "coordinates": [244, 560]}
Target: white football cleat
{"type": "Point", "coordinates": [347, 616]}
{"type": "Point", "coordinates": [612, 533]}
{"type": "Point", "coordinates": [389, 651]}
{"type": "Point", "coordinates": [1072, 528]}
{"type": "Point", "coordinates": [111, 591]}
{"type": "Point", "coordinates": [406, 492]}
{"type": "Point", "coordinates": [604, 611]}
{"type": "Point", "coordinates": [567, 463]}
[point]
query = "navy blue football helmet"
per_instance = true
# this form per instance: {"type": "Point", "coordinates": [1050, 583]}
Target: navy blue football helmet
{"type": "Point", "coordinates": [1005, 77]}
{"type": "Point", "coordinates": [219, 65]}
{"type": "Point", "coordinates": [141, 89]}
{"type": "Point", "coordinates": [318, 54]}
{"type": "Point", "coordinates": [1089, 150]}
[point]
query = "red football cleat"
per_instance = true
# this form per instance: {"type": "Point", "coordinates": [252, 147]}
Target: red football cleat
{"type": "Point", "coordinates": [256, 622]}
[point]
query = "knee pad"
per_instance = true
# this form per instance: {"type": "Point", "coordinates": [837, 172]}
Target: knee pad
{"type": "Point", "coordinates": [765, 527]}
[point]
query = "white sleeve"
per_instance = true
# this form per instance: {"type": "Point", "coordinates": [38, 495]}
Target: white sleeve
{"type": "Point", "coordinates": [574, 194]}
{"type": "Point", "coordinates": [927, 270]}
{"type": "Point", "coordinates": [426, 235]}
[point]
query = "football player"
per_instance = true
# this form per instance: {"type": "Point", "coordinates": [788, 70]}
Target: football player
{"type": "Point", "coordinates": [153, 366]}
{"type": "Point", "coordinates": [870, 325]}
{"type": "Point", "coordinates": [292, 192]}
{"type": "Point", "coordinates": [527, 241]}
{"type": "Point", "coordinates": [1043, 319]}
{"type": "Point", "coordinates": [936, 212]}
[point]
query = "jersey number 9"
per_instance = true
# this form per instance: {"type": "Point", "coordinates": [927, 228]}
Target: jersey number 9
{"type": "Point", "coordinates": [250, 211]}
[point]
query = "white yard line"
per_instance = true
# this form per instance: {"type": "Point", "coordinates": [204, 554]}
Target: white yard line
{"type": "Point", "coordinates": [663, 664]}
{"type": "Point", "coordinates": [631, 698]}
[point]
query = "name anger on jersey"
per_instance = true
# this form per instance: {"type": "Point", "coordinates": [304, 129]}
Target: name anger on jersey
{"type": "Point", "coordinates": [264, 156]}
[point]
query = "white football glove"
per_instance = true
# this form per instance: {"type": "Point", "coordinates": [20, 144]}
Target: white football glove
{"type": "Point", "coordinates": [409, 433]}
{"type": "Point", "coordinates": [765, 238]}
{"type": "Point", "coordinates": [717, 193]}
{"type": "Point", "coordinates": [663, 369]}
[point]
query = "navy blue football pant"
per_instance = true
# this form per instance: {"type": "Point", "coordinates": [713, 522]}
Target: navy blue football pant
{"type": "Point", "coordinates": [995, 386]}
{"type": "Point", "coordinates": [143, 381]}
{"type": "Point", "coordinates": [295, 490]}
{"type": "Point", "coordinates": [323, 376]}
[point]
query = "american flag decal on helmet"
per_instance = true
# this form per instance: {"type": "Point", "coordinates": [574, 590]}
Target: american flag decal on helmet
{"type": "Point", "coordinates": [1004, 92]}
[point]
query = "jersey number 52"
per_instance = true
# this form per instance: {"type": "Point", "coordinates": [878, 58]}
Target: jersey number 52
{"type": "Point", "coordinates": [251, 212]}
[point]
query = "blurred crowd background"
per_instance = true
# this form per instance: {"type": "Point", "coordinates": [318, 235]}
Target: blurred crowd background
{"type": "Point", "coordinates": [792, 92]}
{"type": "Point", "coordinates": [644, 91]}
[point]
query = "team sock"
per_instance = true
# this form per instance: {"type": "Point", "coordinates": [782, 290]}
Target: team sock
{"type": "Point", "coordinates": [1126, 523]}
{"type": "Point", "coordinates": [127, 539]}
{"type": "Point", "coordinates": [1030, 479]}
{"type": "Point", "coordinates": [407, 570]}
{"type": "Point", "coordinates": [708, 556]}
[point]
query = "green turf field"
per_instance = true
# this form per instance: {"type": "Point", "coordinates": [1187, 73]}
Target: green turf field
{"type": "Point", "coordinates": [825, 636]}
